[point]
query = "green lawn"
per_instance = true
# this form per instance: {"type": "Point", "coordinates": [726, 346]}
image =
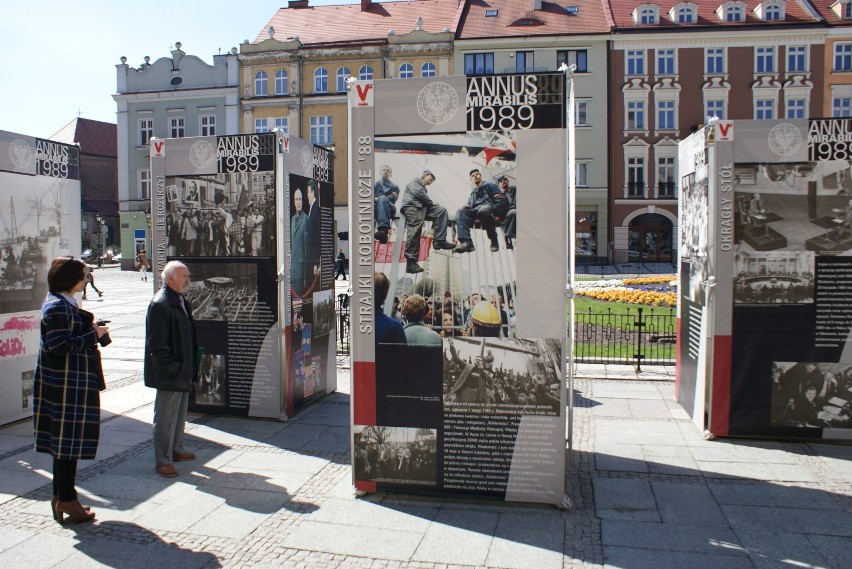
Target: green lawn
{"type": "Point", "coordinates": [584, 303]}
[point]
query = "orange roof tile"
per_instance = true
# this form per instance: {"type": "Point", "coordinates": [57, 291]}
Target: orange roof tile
{"type": "Point", "coordinates": [332, 24]}
{"type": "Point", "coordinates": [516, 18]}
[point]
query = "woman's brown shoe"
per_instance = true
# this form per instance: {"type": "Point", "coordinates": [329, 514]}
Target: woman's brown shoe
{"type": "Point", "coordinates": [75, 511]}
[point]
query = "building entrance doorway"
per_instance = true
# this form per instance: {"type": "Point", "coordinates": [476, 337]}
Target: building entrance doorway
{"type": "Point", "coordinates": [650, 239]}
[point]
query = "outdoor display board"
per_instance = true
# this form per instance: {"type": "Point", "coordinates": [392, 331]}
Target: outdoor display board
{"type": "Point", "coordinates": [221, 205]}
{"type": "Point", "coordinates": [39, 221]}
{"type": "Point", "coordinates": [472, 400]}
{"type": "Point", "coordinates": [765, 349]}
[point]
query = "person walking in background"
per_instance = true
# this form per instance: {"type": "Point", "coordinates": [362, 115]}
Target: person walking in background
{"type": "Point", "coordinates": [142, 264]}
{"type": "Point", "coordinates": [67, 383]}
{"type": "Point", "coordinates": [170, 365]}
{"type": "Point", "coordinates": [341, 265]}
{"type": "Point", "coordinates": [90, 280]}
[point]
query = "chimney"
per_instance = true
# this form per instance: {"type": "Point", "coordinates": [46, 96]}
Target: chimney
{"type": "Point", "coordinates": [536, 4]}
{"type": "Point", "coordinates": [365, 5]}
{"type": "Point", "coordinates": [297, 4]}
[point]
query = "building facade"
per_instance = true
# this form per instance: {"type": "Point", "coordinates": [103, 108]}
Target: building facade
{"type": "Point", "coordinates": [173, 97]}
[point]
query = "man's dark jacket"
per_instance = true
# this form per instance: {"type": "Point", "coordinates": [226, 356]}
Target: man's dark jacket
{"type": "Point", "coordinates": [169, 343]}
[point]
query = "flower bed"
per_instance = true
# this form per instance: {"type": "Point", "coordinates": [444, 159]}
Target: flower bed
{"type": "Point", "coordinates": [651, 291]}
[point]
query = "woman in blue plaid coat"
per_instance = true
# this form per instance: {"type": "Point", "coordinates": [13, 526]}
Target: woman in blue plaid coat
{"type": "Point", "coordinates": [68, 379]}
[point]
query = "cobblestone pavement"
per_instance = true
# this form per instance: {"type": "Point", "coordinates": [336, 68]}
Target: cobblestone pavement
{"type": "Point", "coordinates": [647, 489]}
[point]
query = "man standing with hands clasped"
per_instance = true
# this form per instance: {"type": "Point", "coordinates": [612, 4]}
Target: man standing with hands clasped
{"type": "Point", "coordinates": [170, 365]}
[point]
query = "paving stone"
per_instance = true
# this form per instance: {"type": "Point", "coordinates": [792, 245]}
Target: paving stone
{"type": "Point", "coordinates": [458, 536]}
{"type": "Point", "coordinates": [687, 504]}
{"type": "Point", "coordinates": [635, 558]}
{"type": "Point", "coordinates": [625, 499]}
{"type": "Point", "coordinates": [773, 494]}
{"type": "Point", "coordinates": [353, 540]}
{"type": "Point", "coordinates": [769, 549]}
{"type": "Point", "coordinates": [835, 550]}
{"type": "Point", "coordinates": [671, 537]}
{"type": "Point", "coordinates": [790, 520]}
{"type": "Point", "coordinates": [522, 542]}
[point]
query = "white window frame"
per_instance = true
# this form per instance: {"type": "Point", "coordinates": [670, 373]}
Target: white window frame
{"type": "Point", "coordinates": [668, 107]}
{"type": "Point", "coordinates": [635, 58]}
{"type": "Point", "coordinates": [578, 57]}
{"type": "Point", "coordinates": [406, 71]}
{"type": "Point", "coordinates": [764, 105]}
{"type": "Point", "coordinates": [633, 164]}
{"type": "Point", "coordinates": [282, 87]}
{"type": "Point", "coordinates": [261, 84]}
{"type": "Point", "coordinates": [581, 173]}
{"type": "Point", "coordinates": [143, 183]}
{"type": "Point", "coordinates": [524, 61]}
{"type": "Point", "coordinates": [796, 108]}
{"type": "Point", "coordinates": [841, 106]}
{"type": "Point", "coordinates": [283, 123]}
{"type": "Point", "coordinates": [763, 55]}
{"type": "Point", "coordinates": [773, 13]}
{"type": "Point", "coordinates": [683, 13]}
{"type": "Point", "coordinates": [635, 149]}
{"type": "Point", "coordinates": [261, 125]}
{"type": "Point", "coordinates": [708, 112]}
{"type": "Point", "coordinates": [646, 14]}
{"type": "Point", "coordinates": [320, 80]}
{"type": "Point", "coordinates": [842, 54]}
{"type": "Point", "coordinates": [668, 58]}
{"type": "Point", "coordinates": [207, 125]}
{"type": "Point", "coordinates": [797, 54]}
{"type": "Point", "coordinates": [581, 111]}
{"type": "Point", "coordinates": [146, 131]}
{"type": "Point", "coordinates": [341, 75]}
{"type": "Point", "coordinates": [177, 127]}
{"type": "Point", "coordinates": [662, 154]}
{"type": "Point", "coordinates": [715, 54]}
{"type": "Point", "coordinates": [427, 69]}
{"type": "Point", "coordinates": [634, 106]}
{"type": "Point", "coordinates": [322, 130]}
{"type": "Point", "coordinates": [365, 73]}
{"type": "Point", "coordinates": [733, 11]}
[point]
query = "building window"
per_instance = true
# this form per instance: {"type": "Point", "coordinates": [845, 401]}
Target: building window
{"type": "Point", "coordinates": [714, 59]}
{"type": "Point", "coordinates": [665, 62]}
{"type": "Point", "coordinates": [261, 125]}
{"type": "Point", "coordinates": [843, 57]}
{"type": "Point", "coordinates": [685, 15]}
{"type": "Point", "coordinates": [797, 59]}
{"type": "Point", "coordinates": [765, 60]}
{"type": "Point", "coordinates": [283, 123]}
{"type": "Point", "coordinates": [207, 125]}
{"type": "Point", "coordinates": [177, 128]}
{"type": "Point", "coordinates": [143, 178]}
{"type": "Point", "coordinates": [796, 108]}
{"type": "Point", "coordinates": [581, 113]}
{"type": "Point", "coordinates": [581, 174]}
{"type": "Point", "coordinates": [635, 177]}
{"type": "Point", "coordinates": [146, 131]}
{"type": "Point", "coordinates": [733, 14]}
{"type": "Point", "coordinates": [635, 115]}
{"type": "Point", "coordinates": [666, 115]}
{"type": "Point", "coordinates": [479, 64]}
{"type": "Point", "coordinates": [365, 73]}
{"type": "Point", "coordinates": [342, 74]}
{"type": "Point", "coordinates": [406, 71]}
{"type": "Point", "coordinates": [321, 131]}
{"type": "Point", "coordinates": [427, 69]}
{"type": "Point", "coordinates": [772, 13]}
{"type": "Point", "coordinates": [260, 84]}
{"type": "Point", "coordinates": [715, 108]}
{"type": "Point", "coordinates": [524, 61]}
{"type": "Point", "coordinates": [841, 107]}
{"type": "Point", "coordinates": [666, 177]}
{"type": "Point", "coordinates": [764, 109]}
{"type": "Point", "coordinates": [635, 62]}
{"type": "Point", "coordinates": [578, 57]}
{"type": "Point", "coordinates": [647, 15]}
{"type": "Point", "coordinates": [281, 85]}
{"type": "Point", "coordinates": [847, 11]}
{"type": "Point", "coordinates": [321, 80]}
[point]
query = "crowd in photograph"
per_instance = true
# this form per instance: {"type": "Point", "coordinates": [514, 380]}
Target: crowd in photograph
{"type": "Point", "coordinates": [450, 317]}
{"type": "Point", "coordinates": [401, 461]}
{"type": "Point", "coordinates": [774, 287]}
{"type": "Point", "coordinates": [228, 303]}
{"type": "Point", "coordinates": [217, 232]}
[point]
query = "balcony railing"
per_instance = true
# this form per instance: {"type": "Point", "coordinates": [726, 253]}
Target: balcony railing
{"type": "Point", "coordinates": [666, 190]}
{"type": "Point", "coordinates": [636, 190]}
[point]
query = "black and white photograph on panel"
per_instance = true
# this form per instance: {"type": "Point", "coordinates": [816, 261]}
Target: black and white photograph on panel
{"type": "Point", "coordinates": [502, 375]}
{"type": "Point", "coordinates": [221, 215]}
{"type": "Point", "coordinates": [323, 312]}
{"type": "Point", "coordinates": [211, 387]}
{"type": "Point", "coordinates": [402, 455]}
{"type": "Point", "coordinates": [225, 292]}
{"type": "Point", "coordinates": [811, 394]}
{"type": "Point", "coordinates": [26, 388]}
{"type": "Point", "coordinates": [446, 226]}
{"type": "Point", "coordinates": [694, 201]}
{"type": "Point", "coordinates": [775, 277]}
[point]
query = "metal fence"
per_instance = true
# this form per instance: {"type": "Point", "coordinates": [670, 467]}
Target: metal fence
{"type": "Point", "coordinates": [637, 337]}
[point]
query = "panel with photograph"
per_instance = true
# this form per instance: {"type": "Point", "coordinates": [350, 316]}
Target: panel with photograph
{"type": "Point", "coordinates": [400, 455]}
{"type": "Point", "coordinates": [777, 277]}
{"type": "Point", "coordinates": [225, 292]}
{"type": "Point", "coordinates": [811, 394]}
{"type": "Point", "coordinates": [212, 386]}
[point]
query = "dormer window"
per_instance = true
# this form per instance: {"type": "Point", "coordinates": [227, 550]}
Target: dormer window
{"type": "Point", "coordinates": [684, 13]}
{"type": "Point", "coordinates": [843, 9]}
{"type": "Point", "coordinates": [732, 11]}
{"type": "Point", "coordinates": [770, 10]}
{"type": "Point", "coordinates": [646, 14]}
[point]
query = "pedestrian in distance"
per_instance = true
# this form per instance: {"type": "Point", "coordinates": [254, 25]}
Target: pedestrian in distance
{"type": "Point", "coordinates": [67, 383]}
{"type": "Point", "coordinates": [90, 280]}
{"type": "Point", "coordinates": [341, 265]}
{"type": "Point", "coordinates": [171, 365]}
{"type": "Point", "coordinates": [142, 264]}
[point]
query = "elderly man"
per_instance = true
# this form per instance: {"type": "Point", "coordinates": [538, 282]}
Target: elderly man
{"type": "Point", "coordinates": [170, 365]}
{"type": "Point", "coordinates": [418, 207]}
{"type": "Point", "coordinates": [385, 194]}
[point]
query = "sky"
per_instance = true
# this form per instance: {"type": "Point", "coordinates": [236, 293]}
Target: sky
{"type": "Point", "coordinates": [59, 56]}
